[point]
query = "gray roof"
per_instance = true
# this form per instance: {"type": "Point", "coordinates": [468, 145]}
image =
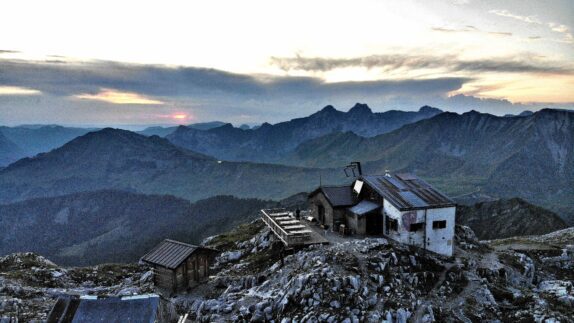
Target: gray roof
{"type": "Point", "coordinates": [142, 308]}
{"type": "Point", "coordinates": [364, 207]}
{"type": "Point", "coordinates": [407, 191]}
{"type": "Point", "coordinates": [338, 196]}
{"type": "Point", "coordinates": [170, 253]}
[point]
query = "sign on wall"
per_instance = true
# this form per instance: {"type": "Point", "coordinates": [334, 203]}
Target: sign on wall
{"type": "Point", "coordinates": [408, 219]}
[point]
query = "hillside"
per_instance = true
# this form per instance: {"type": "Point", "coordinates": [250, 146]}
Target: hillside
{"type": "Point", "coordinates": [508, 218]}
{"type": "Point", "coordinates": [114, 226]}
{"type": "Point", "coordinates": [269, 142]}
{"type": "Point", "coordinates": [123, 160]}
{"type": "Point", "coordinates": [530, 156]}
{"type": "Point", "coordinates": [32, 140]}
{"type": "Point", "coordinates": [9, 151]}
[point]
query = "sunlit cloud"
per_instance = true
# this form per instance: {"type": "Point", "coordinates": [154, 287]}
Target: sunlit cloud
{"type": "Point", "coordinates": [564, 30]}
{"type": "Point", "coordinates": [16, 90]}
{"type": "Point", "coordinates": [118, 97]}
{"type": "Point", "coordinates": [470, 29]}
{"type": "Point", "coordinates": [506, 13]}
{"type": "Point", "coordinates": [444, 63]}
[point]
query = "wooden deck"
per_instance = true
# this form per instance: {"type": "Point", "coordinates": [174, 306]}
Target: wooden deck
{"type": "Point", "coordinates": [289, 230]}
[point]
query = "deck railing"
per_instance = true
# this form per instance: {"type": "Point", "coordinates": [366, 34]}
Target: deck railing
{"type": "Point", "coordinates": [289, 238]}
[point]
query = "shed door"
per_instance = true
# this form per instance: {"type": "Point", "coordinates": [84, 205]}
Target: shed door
{"type": "Point", "coordinates": [321, 211]}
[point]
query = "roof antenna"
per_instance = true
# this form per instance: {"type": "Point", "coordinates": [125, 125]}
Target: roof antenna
{"type": "Point", "coordinates": [320, 179]}
{"type": "Point", "coordinates": [353, 166]}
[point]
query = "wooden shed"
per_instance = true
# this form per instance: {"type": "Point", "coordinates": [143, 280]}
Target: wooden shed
{"type": "Point", "coordinates": [178, 266]}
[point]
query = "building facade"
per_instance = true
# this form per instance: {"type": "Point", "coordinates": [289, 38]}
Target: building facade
{"type": "Point", "coordinates": [401, 207]}
{"type": "Point", "coordinates": [329, 204]}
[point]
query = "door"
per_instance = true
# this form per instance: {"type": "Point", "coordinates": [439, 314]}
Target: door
{"type": "Point", "coordinates": [374, 223]}
{"type": "Point", "coordinates": [321, 212]}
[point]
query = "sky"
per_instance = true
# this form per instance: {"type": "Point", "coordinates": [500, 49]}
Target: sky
{"type": "Point", "coordinates": [178, 62]}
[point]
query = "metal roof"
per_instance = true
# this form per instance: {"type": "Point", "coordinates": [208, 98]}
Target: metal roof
{"type": "Point", "coordinates": [364, 207]}
{"type": "Point", "coordinates": [337, 195]}
{"type": "Point", "coordinates": [170, 253]}
{"type": "Point", "coordinates": [113, 309]}
{"type": "Point", "coordinates": [407, 191]}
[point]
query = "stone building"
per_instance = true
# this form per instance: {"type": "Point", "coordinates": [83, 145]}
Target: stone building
{"type": "Point", "coordinates": [329, 204]}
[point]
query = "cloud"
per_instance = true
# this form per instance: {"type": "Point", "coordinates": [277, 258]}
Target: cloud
{"type": "Point", "coordinates": [562, 29]}
{"type": "Point", "coordinates": [89, 92]}
{"type": "Point", "coordinates": [450, 63]}
{"type": "Point", "coordinates": [470, 29]}
{"type": "Point", "coordinates": [526, 19]}
{"type": "Point", "coordinates": [8, 51]}
{"type": "Point", "coordinates": [555, 27]}
{"type": "Point", "coordinates": [15, 90]}
{"type": "Point", "coordinates": [118, 97]}
{"type": "Point", "coordinates": [558, 28]}
{"type": "Point", "coordinates": [87, 79]}
{"type": "Point", "coordinates": [149, 91]}
{"type": "Point", "coordinates": [460, 2]}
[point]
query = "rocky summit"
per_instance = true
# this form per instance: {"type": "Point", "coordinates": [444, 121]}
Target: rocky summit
{"type": "Point", "coordinates": [527, 279]}
{"type": "Point", "coordinates": [374, 280]}
{"type": "Point", "coordinates": [30, 284]}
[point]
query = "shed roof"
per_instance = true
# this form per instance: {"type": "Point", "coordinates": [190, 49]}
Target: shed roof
{"type": "Point", "coordinates": [143, 308]}
{"type": "Point", "coordinates": [407, 191]}
{"type": "Point", "coordinates": [364, 207]}
{"type": "Point", "coordinates": [170, 253]}
{"type": "Point", "coordinates": [338, 196]}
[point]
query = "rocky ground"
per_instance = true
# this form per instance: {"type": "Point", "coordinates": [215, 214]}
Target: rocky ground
{"type": "Point", "coordinates": [376, 280]}
{"type": "Point", "coordinates": [30, 284]}
{"type": "Point", "coordinates": [360, 280]}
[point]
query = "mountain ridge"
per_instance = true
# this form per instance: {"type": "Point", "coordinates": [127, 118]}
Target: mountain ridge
{"type": "Point", "coordinates": [32, 140]}
{"type": "Point", "coordinates": [88, 228]}
{"type": "Point", "coordinates": [508, 218]}
{"type": "Point", "coordinates": [268, 142]}
{"type": "Point", "coordinates": [530, 157]}
{"type": "Point", "coordinates": [123, 160]}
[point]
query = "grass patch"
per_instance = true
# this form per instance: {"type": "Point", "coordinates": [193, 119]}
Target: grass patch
{"type": "Point", "coordinates": [227, 241]}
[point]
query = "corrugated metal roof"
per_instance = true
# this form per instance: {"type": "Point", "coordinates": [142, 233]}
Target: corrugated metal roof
{"type": "Point", "coordinates": [407, 191]}
{"type": "Point", "coordinates": [364, 207]}
{"type": "Point", "coordinates": [169, 253]}
{"type": "Point", "coordinates": [338, 196]}
{"type": "Point", "coordinates": [412, 199]}
{"type": "Point", "coordinates": [113, 309]}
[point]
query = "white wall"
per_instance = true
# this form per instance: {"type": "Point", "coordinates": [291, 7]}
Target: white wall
{"type": "Point", "coordinates": [441, 240]}
{"type": "Point", "coordinates": [437, 240]}
{"type": "Point", "coordinates": [394, 213]}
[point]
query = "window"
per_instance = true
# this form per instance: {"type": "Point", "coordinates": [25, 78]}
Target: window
{"type": "Point", "coordinates": [392, 224]}
{"type": "Point", "coordinates": [439, 224]}
{"type": "Point", "coordinates": [416, 227]}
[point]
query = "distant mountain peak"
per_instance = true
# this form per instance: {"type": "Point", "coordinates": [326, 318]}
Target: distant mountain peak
{"type": "Point", "coordinates": [225, 126]}
{"type": "Point", "coordinates": [327, 109]}
{"type": "Point", "coordinates": [110, 133]}
{"type": "Point", "coordinates": [473, 113]}
{"type": "Point", "coordinates": [360, 108]}
{"type": "Point", "coordinates": [526, 113]}
{"type": "Point", "coordinates": [429, 109]}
